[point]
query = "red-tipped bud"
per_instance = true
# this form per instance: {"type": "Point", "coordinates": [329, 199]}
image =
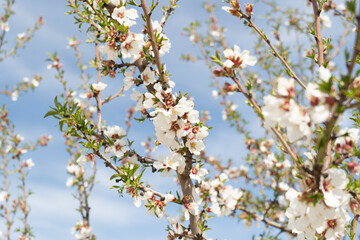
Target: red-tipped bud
{"type": "Point", "coordinates": [235, 4]}
{"type": "Point", "coordinates": [112, 74]}
{"type": "Point", "coordinates": [249, 9]}
{"type": "Point", "coordinates": [218, 72]}
{"type": "Point", "coordinates": [352, 167]}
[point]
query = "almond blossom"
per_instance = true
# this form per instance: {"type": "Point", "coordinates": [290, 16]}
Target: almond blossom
{"type": "Point", "coordinates": [176, 226]}
{"type": "Point", "coordinates": [129, 80]}
{"type": "Point", "coordinates": [98, 87]}
{"type": "Point", "coordinates": [118, 149]}
{"type": "Point", "coordinates": [235, 58]}
{"type": "Point", "coordinates": [327, 218]}
{"type": "Point", "coordinates": [29, 163]}
{"type": "Point", "coordinates": [114, 132]}
{"type": "Point", "coordinates": [333, 187]}
{"type": "Point", "coordinates": [132, 47]}
{"type": "Point", "coordinates": [319, 110]}
{"type": "Point", "coordinates": [198, 173]}
{"type": "Point", "coordinates": [4, 26]}
{"type": "Point", "coordinates": [125, 16]}
{"type": "Point", "coordinates": [171, 162]}
{"type": "Point", "coordinates": [348, 138]}
{"type": "Point", "coordinates": [148, 76]}
{"type": "Point", "coordinates": [3, 196]}
{"type": "Point", "coordinates": [110, 51]}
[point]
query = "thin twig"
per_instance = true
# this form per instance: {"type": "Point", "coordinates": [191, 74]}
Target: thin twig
{"type": "Point", "coordinates": [153, 42]}
{"type": "Point", "coordinates": [167, 12]}
{"type": "Point", "coordinates": [264, 37]}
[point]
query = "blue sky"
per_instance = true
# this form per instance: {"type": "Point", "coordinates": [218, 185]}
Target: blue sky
{"type": "Point", "coordinates": [52, 206]}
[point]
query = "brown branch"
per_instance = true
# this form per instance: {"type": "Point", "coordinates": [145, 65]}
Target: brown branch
{"type": "Point", "coordinates": [258, 111]}
{"type": "Point", "coordinates": [23, 205]}
{"type": "Point", "coordinates": [354, 226]}
{"type": "Point", "coordinates": [265, 38]}
{"type": "Point", "coordinates": [352, 105]}
{"type": "Point", "coordinates": [266, 221]}
{"type": "Point", "coordinates": [188, 190]}
{"type": "Point", "coordinates": [98, 96]}
{"type": "Point", "coordinates": [153, 43]}
{"type": "Point", "coordinates": [6, 189]}
{"type": "Point", "coordinates": [318, 37]}
{"type": "Point", "coordinates": [114, 96]}
{"type": "Point", "coordinates": [337, 110]}
{"type": "Point", "coordinates": [356, 52]}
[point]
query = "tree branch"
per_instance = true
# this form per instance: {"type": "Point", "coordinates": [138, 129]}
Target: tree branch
{"type": "Point", "coordinates": [318, 37]}
{"type": "Point", "coordinates": [153, 43]}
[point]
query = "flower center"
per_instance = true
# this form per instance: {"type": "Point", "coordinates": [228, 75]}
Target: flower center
{"type": "Point", "coordinates": [331, 223]}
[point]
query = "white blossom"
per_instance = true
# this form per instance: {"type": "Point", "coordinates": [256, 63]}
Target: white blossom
{"type": "Point", "coordinates": [114, 132]}
{"type": "Point", "coordinates": [14, 95]}
{"type": "Point", "coordinates": [325, 20]}
{"type": "Point", "coordinates": [70, 181]}
{"type": "Point", "coordinates": [333, 187]}
{"type": "Point", "coordinates": [111, 53]}
{"type": "Point", "coordinates": [198, 173]}
{"type": "Point", "coordinates": [132, 46]}
{"type": "Point", "coordinates": [148, 76]}
{"type": "Point", "coordinates": [118, 149]}
{"type": "Point", "coordinates": [239, 59]}
{"type": "Point", "coordinates": [4, 26]}
{"type": "Point", "coordinates": [29, 163]}
{"type": "Point", "coordinates": [125, 16]}
{"type": "Point", "coordinates": [128, 80]}
{"type": "Point", "coordinates": [3, 196]}
{"type": "Point", "coordinates": [324, 74]}
{"type": "Point", "coordinates": [98, 87]}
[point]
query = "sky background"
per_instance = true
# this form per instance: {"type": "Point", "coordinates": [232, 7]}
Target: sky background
{"type": "Point", "coordinates": [112, 217]}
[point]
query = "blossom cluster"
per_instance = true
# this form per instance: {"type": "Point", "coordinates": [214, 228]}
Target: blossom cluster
{"type": "Point", "coordinates": [299, 121]}
{"type": "Point", "coordinates": [81, 231]}
{"type": "Point", "coordinates": [224, 198]}
{"type": "Point", "coordinates": [327, 217]}
{"type": "Point", "coordinates": [176, 122]}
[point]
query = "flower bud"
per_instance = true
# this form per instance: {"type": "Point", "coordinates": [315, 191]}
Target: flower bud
{"type": "Point", "coordinates": [147, 45]}
{"type": "Point", "coordinates": [218, 72]}
{"type": "Point", "coordinates": [235, 4]}
{"type": "Point", "coordinates": [249, 9]}
{"type": "Point", "coordinates": [40, 20]}
{"type": "Point", "coordinates": [353, 167]}
{"type": "Point", "coordinates": [112, 74]}
{"type": "Point", "coordinates": [326, 7]}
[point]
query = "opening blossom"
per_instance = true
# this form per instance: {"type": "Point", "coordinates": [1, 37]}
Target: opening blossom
{"type": "Point", "coordinates": [98, 87]}
{"type": "Point", "coordinates": [235, 58]}
{"type": "Point", "coordinates": [3, 196]}
{"type": "Point", "coordinates": [4, 26]}
{"type": "Point", "coordinates": [119, 148]}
